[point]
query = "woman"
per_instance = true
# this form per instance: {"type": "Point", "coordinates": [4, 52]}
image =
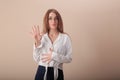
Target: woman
{"type": "Point", "coordinates": [51, 49]}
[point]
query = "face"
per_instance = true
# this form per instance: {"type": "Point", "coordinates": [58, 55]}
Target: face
{"type": "Point", "coordinates": [53, 21]}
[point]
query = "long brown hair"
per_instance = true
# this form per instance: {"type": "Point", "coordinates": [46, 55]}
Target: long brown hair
{"type": "Point", "coordinates": [46, 27]}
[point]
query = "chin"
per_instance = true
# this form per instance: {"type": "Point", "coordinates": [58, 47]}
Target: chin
{"type": "Point", "coordinates": [53, 27]}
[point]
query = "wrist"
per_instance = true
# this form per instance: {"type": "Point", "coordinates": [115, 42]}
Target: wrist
{"type": "Point", "coordinates": [37, 43]}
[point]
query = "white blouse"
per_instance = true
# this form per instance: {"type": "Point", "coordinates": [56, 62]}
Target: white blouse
{"type": "Point", "coordinates": [62, 50]}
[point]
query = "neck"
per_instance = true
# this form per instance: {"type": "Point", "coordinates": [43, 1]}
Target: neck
{"type": "Point", "coordinates": [53, 32]}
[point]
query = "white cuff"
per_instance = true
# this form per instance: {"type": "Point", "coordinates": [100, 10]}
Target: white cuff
{"type": "Point", "coordinates": [37, 46]}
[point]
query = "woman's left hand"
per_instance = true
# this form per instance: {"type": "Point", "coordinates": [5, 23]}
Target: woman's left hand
{"type": "Point", "coordinates": [47, 57]}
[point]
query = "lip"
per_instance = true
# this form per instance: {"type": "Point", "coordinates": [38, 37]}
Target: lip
{"type": "Point", "coordinates": [53, 24]}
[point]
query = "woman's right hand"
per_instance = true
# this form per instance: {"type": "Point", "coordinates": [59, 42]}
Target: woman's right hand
{"type": "Point", "coordinates": [37, 35]}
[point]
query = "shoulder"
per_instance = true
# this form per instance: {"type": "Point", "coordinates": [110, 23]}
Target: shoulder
{"type": "Point", "coordinates": [67, 39]}
{"type": "Point", "coordinates": [66, 36]}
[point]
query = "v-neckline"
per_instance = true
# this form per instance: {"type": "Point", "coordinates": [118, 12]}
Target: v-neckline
{"type": "Point", "coordinates": [54, 40]}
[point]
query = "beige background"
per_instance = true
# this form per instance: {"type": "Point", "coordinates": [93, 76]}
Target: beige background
{"type": "Point", "coordinates": [94, 26]}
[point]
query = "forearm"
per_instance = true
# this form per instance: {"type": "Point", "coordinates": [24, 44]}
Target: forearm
{"type": "Point", "coordinates": [37, 48]}
{"type": "Point", "coordinates": [61, 58]}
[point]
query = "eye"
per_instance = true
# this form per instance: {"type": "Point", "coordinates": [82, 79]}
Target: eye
{"type": "Point", "coordinates": [56, 18]}
{"type": "Point", "coordinates": [50, 18]}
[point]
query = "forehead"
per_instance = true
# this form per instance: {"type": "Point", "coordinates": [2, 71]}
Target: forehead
{"type": "Point", "coordinates": [52, 14]}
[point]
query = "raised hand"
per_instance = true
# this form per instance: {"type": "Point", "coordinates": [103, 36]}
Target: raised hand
{"type": "Point", "coordinates": [36, 34]}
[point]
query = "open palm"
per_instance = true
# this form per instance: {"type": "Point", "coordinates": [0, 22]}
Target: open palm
{"type": "Point", "coordinates": [36, 34]}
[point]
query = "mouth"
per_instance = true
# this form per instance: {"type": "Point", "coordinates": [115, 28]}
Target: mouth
{"type": "Point", "coordinates": [53, 24]}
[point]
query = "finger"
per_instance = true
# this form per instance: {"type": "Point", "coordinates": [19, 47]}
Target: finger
{"type": "Point", "coordinates": [35, 29]}
{"type": "Point", "coordinates": [48, 61]}
{"type": "Point", "coordinates": [32, 34]}
{"type": "Point", "coordinates": [45, 55]}
{"type": "Point", "coordinates": [41, 33]}
{"type": "Point", "coordinates": [38, 30]}
{"type": "Point", "coordinates": [45, 59]}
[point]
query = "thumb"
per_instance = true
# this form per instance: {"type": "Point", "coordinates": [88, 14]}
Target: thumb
{"type": "Point", "coordinates": [41, 33]}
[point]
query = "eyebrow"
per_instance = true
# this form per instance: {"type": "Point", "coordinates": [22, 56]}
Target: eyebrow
{"type": "Point", "coordinates": [54, 17]}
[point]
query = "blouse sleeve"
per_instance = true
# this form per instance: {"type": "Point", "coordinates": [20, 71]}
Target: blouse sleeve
{"type": "Point", "coordinates": [36, 52]}
{"type": "Point", "coordinates": [64, 58]}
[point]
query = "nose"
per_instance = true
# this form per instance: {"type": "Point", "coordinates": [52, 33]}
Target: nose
{"type": "Point", "coordinates": [53, 20]}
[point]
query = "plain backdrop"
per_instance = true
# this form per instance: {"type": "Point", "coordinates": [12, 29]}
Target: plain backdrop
{"type": "Point", "coordinates": [94, 27]}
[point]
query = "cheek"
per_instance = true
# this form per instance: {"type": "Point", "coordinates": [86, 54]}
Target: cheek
{"type": "Point", "coordinates": [49, 22]}
{"type": "Point", "coordinates": [56, 22]}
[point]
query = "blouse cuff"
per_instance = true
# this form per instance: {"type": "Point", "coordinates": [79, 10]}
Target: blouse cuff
{"type": "Point", "coordinates": [38, 46]}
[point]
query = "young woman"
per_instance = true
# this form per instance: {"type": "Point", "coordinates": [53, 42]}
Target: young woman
{"type": "Point", "coordinates": [51, 49]}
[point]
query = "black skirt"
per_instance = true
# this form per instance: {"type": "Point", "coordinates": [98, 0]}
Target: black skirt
{"type": "Point", "coordinates": [50, 73]}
